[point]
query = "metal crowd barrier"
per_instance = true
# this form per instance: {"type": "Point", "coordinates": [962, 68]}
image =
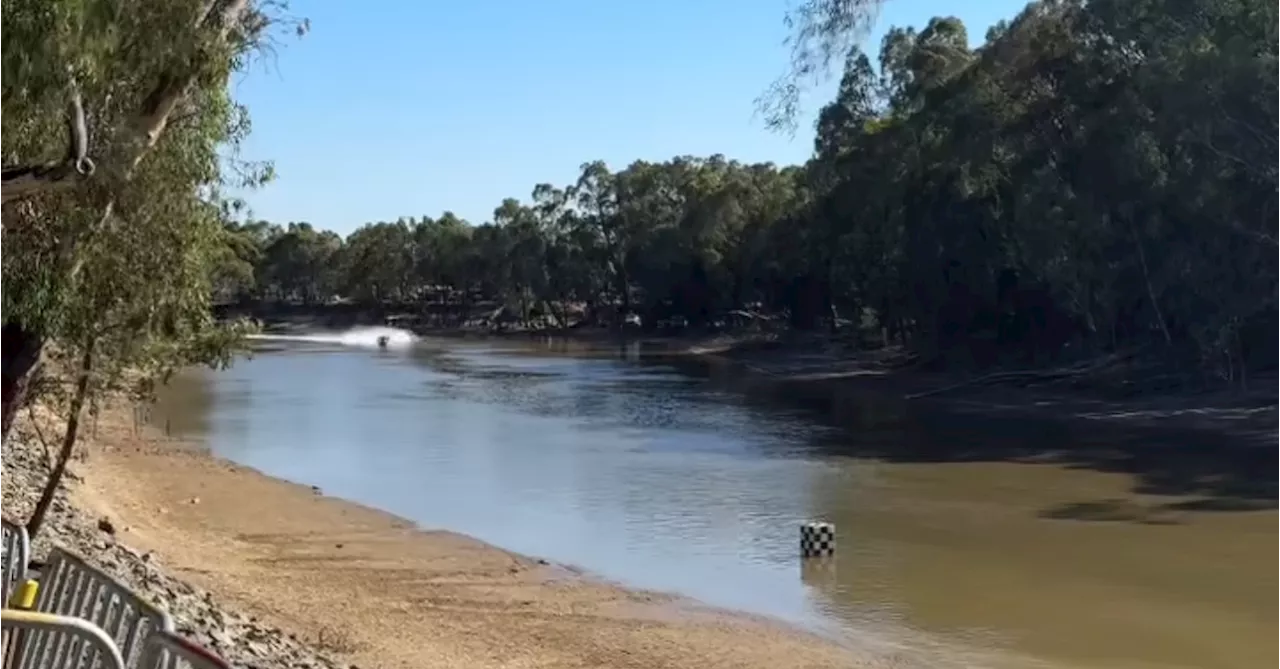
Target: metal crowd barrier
{"type": "Point", "coordinates": [166, 650]}
{"type": "Point", "coordinates": [35, 640]}
{"type": "Point", "coordinates": [17, 553]}
{"type": "Point", "coordinates": [84, 618]}
{"type": "Point", "coordinates": [71, 587]}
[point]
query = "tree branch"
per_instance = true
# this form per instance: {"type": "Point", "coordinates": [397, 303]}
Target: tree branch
{"type": "Point", "coordinates": [21, 181]}
{"type": "Point", "coordinates": [26, 180]}
{"type": "Point", "coordinates": [219, 17]}
{"type": "Point", "coordinates": [821, 31]}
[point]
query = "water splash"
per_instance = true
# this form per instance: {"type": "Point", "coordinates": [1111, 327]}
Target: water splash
{"type": "Point", "coordinates": [357, 337]}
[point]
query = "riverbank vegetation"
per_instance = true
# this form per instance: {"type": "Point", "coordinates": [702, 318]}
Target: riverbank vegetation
{"type": "Point", "coordinates": [1090, 181]}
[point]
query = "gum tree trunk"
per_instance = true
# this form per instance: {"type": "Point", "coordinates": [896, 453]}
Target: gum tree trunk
{"type": "Point", "coordinates": [68, 444]}
{"type": "Point", "coordinates": [19, 354]}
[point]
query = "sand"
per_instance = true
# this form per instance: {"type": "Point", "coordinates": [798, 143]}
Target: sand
{"type": "Point", "coordinates": [375, 591]}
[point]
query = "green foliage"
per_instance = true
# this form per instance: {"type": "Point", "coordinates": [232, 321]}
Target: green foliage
{"type": "Point", "coordinates": [822, 32]}
{"type": "Point", "coordinates": [125, 263]}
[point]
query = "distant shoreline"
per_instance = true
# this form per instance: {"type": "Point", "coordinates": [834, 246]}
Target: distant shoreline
{"type": "Point", "coordinates": [806, 366]}
{"type": "Point", "coordinates": [841, 380]}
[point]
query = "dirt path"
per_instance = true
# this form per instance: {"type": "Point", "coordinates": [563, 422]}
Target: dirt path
{"type": "Point", "coordinates": [378, 593]}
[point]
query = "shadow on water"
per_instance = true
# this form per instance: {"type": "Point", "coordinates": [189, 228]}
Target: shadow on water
{"type": "Point", "coordinates": [1001, 549]}
{"type": "Point", "coordinates": [1221, 472]}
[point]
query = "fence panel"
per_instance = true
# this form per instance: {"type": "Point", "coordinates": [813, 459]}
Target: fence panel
{"type": "Point", "coordinates": [166, 650]}
{"type": "Point", "coordinates": [70, 586]}
{"type": "Point", "coordinates": [35, 640]}
{"type": "Point", "coordinates": [17, 553]}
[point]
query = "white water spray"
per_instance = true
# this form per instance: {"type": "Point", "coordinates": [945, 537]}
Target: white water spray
{"type": "Point", "coordinates": [358, 337]}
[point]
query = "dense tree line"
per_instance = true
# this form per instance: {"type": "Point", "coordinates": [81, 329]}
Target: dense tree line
{"type": "Point", "coordinates": [689, 236]}
{"type": "Point", "coordinates": [1096, 177]}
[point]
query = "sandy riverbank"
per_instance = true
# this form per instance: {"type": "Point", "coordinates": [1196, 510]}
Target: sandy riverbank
{"type": "Point", "coordinates": [365, 588]}
{"type": "Point", "coordinates": [199, 614]}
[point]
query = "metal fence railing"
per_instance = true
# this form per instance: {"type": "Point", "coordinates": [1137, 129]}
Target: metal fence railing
{"type": "Point", "coordinates": [70, 586]}
{"type": "Point", "coordinates": [17, 553]}
{"type": "Point", "coordinates": [166, 650]}
{"type": "Point", "coordinates": [75, 616]}
{"type": "Point", "coordinates": [35, 640]}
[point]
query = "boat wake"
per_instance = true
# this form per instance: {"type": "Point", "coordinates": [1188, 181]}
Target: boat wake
{"type": "Point", "coordinates": [360, 337]}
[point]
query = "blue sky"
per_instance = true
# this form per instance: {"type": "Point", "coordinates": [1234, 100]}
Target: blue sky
{"type": "Point", "coordinates": [391, 108]}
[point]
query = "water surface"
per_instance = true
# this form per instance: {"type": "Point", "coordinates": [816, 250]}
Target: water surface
{"type": "Point", "coordinates": [1046, 543]}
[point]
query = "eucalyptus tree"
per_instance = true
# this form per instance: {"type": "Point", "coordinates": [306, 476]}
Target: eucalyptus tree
{"type": "Point", "coordinates": [123, 331]}
{"type": "Point", "coordinates": [122, 79]}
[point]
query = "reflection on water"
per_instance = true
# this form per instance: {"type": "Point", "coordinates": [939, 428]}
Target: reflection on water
{"type": "Point", "coordinates": [1044, 541]}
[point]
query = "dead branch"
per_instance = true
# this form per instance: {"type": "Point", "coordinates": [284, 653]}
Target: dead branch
{"type": "Point", "coordinates": [1075, 371]}
{"type": "Point", "coordinates": [24, 180]}
{"type": "Point", "coordinates": [78, 134]}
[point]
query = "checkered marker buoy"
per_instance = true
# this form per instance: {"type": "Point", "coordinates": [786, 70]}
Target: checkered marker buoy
{"type": "Point", "coordinates": [817, 540]}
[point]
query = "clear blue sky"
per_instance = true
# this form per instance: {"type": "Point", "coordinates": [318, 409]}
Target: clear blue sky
{"type": "Point", "coordinates": [392, 108]}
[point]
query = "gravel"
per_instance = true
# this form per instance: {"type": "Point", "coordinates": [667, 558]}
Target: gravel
{"type": "Point", "coordinates": [240, 639]}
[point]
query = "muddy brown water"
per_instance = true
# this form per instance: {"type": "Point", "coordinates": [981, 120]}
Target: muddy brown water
{"type": "Point", "coordinates": [1008, 543]}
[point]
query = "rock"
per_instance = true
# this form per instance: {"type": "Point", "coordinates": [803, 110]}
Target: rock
{"type": "Point", "coordinates": [222, 638]}
{"type": "Point", "coordinates": [105, 525]}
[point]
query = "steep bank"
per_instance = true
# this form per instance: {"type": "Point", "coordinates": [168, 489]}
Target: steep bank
{"type": "Point", "coordinates": [109, 542]}
{"type": "Point", "coordinates": [368, 589]}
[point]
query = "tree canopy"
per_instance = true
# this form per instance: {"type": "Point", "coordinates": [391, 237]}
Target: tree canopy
{"type": "Point", "coordinates": [1094, 177]}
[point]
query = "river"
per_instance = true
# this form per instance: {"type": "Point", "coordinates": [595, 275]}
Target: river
{"type": "Point", "coordinates": [675, 476]}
